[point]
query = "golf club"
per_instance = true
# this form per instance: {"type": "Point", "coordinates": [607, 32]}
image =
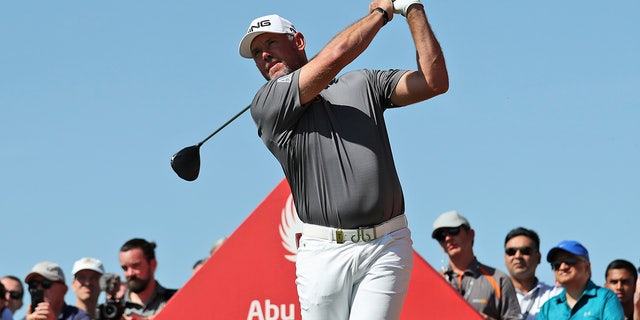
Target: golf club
{"type": "Point", "coordinates": [186, 162]}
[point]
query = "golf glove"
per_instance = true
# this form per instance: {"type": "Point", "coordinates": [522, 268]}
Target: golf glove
{"type": "Point", "coordinates": [401, 6]}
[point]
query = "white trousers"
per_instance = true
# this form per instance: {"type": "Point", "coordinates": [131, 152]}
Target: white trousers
{"type": "Point", "coordinates": [353, 281]}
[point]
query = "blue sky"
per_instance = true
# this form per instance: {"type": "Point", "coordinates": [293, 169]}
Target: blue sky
{"type": "Point", "coordinates": [539, 127]}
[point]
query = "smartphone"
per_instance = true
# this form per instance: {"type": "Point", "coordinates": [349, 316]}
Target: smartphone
{"type": "Point", "coordinates": [37, 296]}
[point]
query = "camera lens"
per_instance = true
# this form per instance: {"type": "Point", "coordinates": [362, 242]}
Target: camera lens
{"type": "Point", "coordinates": [110, 311]}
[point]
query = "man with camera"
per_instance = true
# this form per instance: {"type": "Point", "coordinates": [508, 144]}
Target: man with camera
{"type": "Point", "coordinates": [47, 288]}
{"type": "Point", "coordinates": [144, 296]}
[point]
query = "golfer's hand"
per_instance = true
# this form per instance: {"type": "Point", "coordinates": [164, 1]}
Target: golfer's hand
{"type": "Point", "coordinates": [401, 6]}
{"type": "Point", "coordinates": [385, 5]}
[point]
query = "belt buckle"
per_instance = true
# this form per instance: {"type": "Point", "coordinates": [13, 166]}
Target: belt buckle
{"type": "Point", "coordinates": [365, 234]}
{"type": "Point", "coordinates": [339, 236]}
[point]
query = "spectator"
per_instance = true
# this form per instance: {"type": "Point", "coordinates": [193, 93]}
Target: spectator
{"type": "Point", "coordinates": [217, 245]}
{"type": "Point", "coordinates": [487, 289]}
{"type": "Point", "coordinates": [86, 284]}
{"type": "Point", "coordinates": [522, 257]}
{"type": "Point", "coordinates": [15, 292]}
{"type": "Point", "coordinates": [5, 312]}
{"type": "Point", "coordinates": [581, 298]}
{"type": "Point", "coordinates": [620, 277]}
{"type": "Point", "coordinates": [145, 296]}
{"type": "Point", "coordinates": [47, 277]}
{"type": "Point", "coordinates": [198, 265]}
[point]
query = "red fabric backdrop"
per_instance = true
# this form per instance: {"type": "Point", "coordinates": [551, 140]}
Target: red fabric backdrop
{"type": "Point", "coordinates": [252, 276]}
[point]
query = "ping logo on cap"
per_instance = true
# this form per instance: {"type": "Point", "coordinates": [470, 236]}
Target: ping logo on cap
{"type": "Point", "coordinates": [259, 24]}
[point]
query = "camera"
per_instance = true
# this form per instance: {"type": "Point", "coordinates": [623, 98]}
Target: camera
{"type": "Point", "coordinates": [37, 296]}
{"type": "Point", "coordinates": [113, 308]}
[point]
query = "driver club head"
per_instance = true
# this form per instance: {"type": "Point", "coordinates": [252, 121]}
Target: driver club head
{"type": "Point", "coordinates": [186, 162]}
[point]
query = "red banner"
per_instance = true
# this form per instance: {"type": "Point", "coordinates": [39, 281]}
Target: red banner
{"type": "Point", "coordinates": [252, 275]}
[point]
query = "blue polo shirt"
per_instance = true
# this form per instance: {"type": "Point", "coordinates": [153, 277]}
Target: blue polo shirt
{"type": "Point", "coordinates": [594, 303]}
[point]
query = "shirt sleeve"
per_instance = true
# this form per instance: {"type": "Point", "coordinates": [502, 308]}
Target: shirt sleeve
{"type": "Point", "coordinates": [276, 108]}
{"type": "Point", "coordinates": [612, 308]}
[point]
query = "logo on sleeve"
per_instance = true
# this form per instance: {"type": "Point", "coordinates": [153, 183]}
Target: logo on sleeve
{"type": "Point", "coordinates": [285, 78]}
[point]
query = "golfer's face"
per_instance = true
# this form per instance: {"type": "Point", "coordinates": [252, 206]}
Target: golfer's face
{"type": "Point", "coordinates": [275, 55]}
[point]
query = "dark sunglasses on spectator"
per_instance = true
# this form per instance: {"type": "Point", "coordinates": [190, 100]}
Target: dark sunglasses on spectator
{"type": "Point", "coordinates": [15, 295]}
{"type": "Point", "coordinates": [523, 250]}
{"type": "Point", "coordinates": [443, 233]}
{"type": "Point", "coordinates": [570, 261]}
{"type": "Point", "coordinates": [46, 284]}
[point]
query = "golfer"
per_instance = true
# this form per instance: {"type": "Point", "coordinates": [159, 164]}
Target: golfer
{"type": "Point", "coordinates": [329, 135]}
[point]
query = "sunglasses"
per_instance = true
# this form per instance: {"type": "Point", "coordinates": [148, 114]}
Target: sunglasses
{"type": "Point", "coordinates": [15, 295]}
{"type": "Point", "coordinates": [45, 283]}
{"type": "Point", "coordinates": [570, 261]}
{"type": "Point", "coordinates": [525, 251]}
{"type": "Point", "coordinates": [443, 233]}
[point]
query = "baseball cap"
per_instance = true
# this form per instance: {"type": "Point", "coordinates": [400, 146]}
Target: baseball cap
{"type": "Point", "coordinates": [272, 23]}
{"type": "Point", "coordinates": [571, 246]}
{"type": "Point", "coordinates": [449, 219]}
{"type": "Point", "coordinates": [49, 270]}
{"type": "Point", "coordinates": [88, 264]}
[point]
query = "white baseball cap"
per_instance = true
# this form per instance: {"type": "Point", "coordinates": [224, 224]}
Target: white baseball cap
{"type": "Point", "coordinates": [48, 270]}
{"type": "Point", "coordinates": [88, 264]}
{"type": "Point", "coordinates": [272, 23]}
{"type": "Point", "coordinates": [449, 219]}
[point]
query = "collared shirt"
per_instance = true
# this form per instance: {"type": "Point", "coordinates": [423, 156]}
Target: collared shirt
{"type": "Point", "coordinates": [486, 289]}
{"type": "Point", "coordinates": [157, 301]}
{"type": "Point", "coordinates": [594, 303]}
{"type": "Point", "coordinates": [532, 301]}
{"type": "Point", "coordinates": [334, 150]}
{"type": "Point", "coordinates": [71, 313]}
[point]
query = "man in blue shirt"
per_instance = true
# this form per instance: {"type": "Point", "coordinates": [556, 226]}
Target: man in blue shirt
{"type": "Point", "coordinates": [581, 298]}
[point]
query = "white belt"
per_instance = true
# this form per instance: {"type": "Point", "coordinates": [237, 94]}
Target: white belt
{"type": "Point", "coordinates": [355, 235]}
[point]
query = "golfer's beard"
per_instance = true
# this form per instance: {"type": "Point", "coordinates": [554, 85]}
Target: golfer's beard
{"type": "Point", "coordinates": [285, 71]}
{"type": "Point", "coordinates": [137, 285]}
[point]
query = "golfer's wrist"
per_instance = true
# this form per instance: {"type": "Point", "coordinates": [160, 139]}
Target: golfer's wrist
{"type": "Point", "coordinates": [385, 16]}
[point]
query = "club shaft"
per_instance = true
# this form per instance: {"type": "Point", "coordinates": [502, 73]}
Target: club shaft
{"type": "Point", "coordinates": [224, 125]}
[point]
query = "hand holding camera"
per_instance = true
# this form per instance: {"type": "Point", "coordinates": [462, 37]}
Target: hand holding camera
{"type": "Point", "coordinates": [113, 308]}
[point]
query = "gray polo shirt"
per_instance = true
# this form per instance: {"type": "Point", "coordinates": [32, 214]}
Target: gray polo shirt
{"type": "Point", "coordinates": [486, 289]}
{"type": "Point", "coordinates": [334, 150]}
{"type": "Point", "coordinates": [158, 300]}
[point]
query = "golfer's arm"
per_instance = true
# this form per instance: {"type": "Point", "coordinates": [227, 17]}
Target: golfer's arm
{"type": "Point", "coordinates": [431, 78]}
{"type": "Point", "coordinates": [338, 53]}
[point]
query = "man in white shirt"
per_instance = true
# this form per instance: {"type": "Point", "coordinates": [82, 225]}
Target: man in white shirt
{"type": "Point", "coordinates": [522, 257]}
